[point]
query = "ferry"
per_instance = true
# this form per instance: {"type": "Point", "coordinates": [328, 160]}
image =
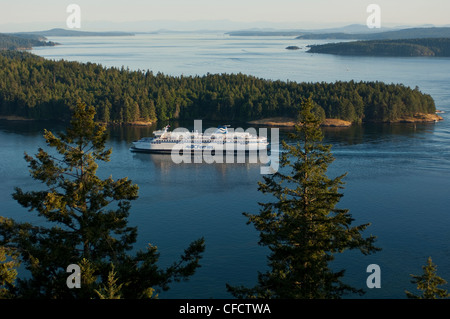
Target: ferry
{"type": "Point", "coordinates": [165, 141]}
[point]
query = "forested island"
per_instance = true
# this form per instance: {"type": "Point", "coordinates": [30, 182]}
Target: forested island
{"type": "Point", "coordinates": [22, 41]}
{"type": "Point", "coordinates": [36, 88]}
{"type": "Point", "coordinates": [436, 47]}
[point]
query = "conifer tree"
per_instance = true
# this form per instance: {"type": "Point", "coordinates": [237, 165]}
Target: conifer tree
{"type": "Point", "coordinates": [302, 227]}
{"type": "Point", "coordinates": [429, 283]}
{"type": "Point", "coordinates": [86, 221]}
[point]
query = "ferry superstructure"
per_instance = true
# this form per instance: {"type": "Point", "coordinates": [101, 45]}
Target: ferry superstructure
{"type": "Point", "coordinates": [165, 141]}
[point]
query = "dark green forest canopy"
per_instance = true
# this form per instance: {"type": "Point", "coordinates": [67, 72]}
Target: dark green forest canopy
{"type": "Point", "coordinates": [22, 41]}
{"type": "Point", "coordinates": [37, 88]}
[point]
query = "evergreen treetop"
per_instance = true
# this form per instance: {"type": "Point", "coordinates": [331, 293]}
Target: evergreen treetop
{"type": "Point", "coordinates": [428, 283]}
{"type": "Point", "coordinates": [302, 227]}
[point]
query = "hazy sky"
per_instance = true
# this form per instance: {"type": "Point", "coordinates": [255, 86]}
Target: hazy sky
{"type": "Point", "coordinates": [294, 13]}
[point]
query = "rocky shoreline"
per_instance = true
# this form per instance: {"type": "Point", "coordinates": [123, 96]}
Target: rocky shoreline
{"type": "Point", "coordinates": [289, 122]}
{"type": "Point", "coordinates": [420, 118]}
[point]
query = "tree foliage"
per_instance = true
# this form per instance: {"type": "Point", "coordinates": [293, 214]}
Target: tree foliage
{"type": "Point", "coordinates": [8, 271]}
{"type": "Point", "coordinates": [86, 221]}
{"type": "Point", "coordinates": [302, 227]}
{"type": "Point", "coordinates": [428, 283]}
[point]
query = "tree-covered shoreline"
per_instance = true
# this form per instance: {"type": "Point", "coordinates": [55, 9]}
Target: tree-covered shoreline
{"type": "Point", "coordinates": [438, 47]}
{"type": "Point", "coordinates": [22, 41]}
{"type": "Point", "coordinates": [37, 88]}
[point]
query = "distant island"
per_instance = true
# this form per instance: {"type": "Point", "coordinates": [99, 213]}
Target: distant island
{"type": "Point", "coordinates": [32, 87]}
{"type": "Point", "coordinates": [432, 47]}
{"type": "Point", "coordinates": [425, 41]}
{"type": "Point", "coordinates": [292, 47]}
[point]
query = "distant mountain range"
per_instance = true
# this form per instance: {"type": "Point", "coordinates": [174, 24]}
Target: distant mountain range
{"type": "Point", "coordinates": [59, 32]}
{"type": "Point", "coordinates": [349, 32]}
{"type": "Point", "coordinates": [410, 33]}
{"type": "Point", "coordinates": [28, 40]}
{"type": "Point", "coordinates": [350, 29]}
{"type": "Point", "coordinates": [353, 32]}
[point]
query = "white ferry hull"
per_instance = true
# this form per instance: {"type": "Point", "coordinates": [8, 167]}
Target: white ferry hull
{"type": "Point", "coordinates": [220, 142]}
{"type": "Point", "coordinates": [168, 148]}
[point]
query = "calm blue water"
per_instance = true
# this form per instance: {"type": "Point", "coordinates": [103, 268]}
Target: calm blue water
{"type": "Point", "coordinates": [398, 175]}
